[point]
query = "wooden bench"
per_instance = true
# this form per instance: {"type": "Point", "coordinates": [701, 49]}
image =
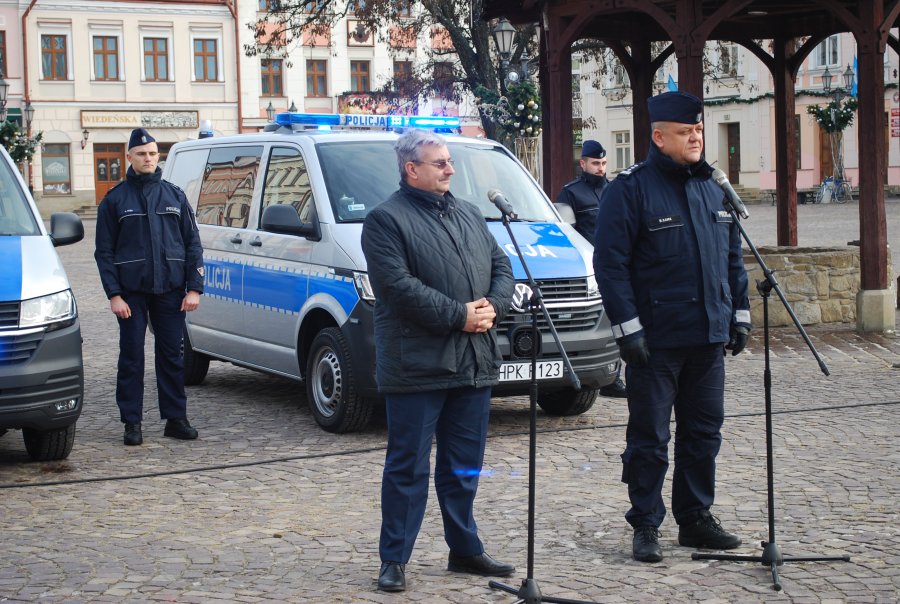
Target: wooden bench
{"type": "Point", "coordinates": [803, 195]}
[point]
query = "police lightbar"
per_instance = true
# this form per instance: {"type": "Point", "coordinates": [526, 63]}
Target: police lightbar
{"type": "Point", "coordinates": [325, 121]}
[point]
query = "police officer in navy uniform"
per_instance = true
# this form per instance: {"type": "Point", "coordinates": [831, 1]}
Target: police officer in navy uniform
{"type": "Point", "coordinates": [150, 260]}
{"type": "Point", "coordinates": [583, 195]}
{"type": "Point", "coordinates": [669, 264]}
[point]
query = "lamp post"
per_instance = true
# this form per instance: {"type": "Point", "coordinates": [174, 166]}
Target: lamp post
{"type": "Point", "coordinates": [28, 111]}
{"type": "Point", "coordinates": [504, 35]}
{"type": "Point", "coordinates": [4, 90]}
{"type": "Point", "coordinates": [292, 108]}
{"type": "Point", "coordinates": [270, 112]}
{"type": "Point", "coordinates": [837, 136]}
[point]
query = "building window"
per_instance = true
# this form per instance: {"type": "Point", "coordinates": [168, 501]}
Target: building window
{"type": "Point", "coordinates": [206, 60]}
{"type": "Point", "coordinates": [265, 5]}
{"type": "Point", "coordinates": [316, 82]}
{"type": "Point", "coordinates": [53, 57]}
{"type": "Point", "coordinates": [402, 75]}
{"type": "Point", "coordinates": [106, 58]}
{"type": "Point", "coordinates": [357, 6]}
{"type": "Point", "coordinates": [728, 60]}
{"type": "Point", "coordinates": [55, 169]}
{"type": "Point", "coordinates": [271, 77]}
{"type": "Point", "coordinates": [359, 76]}
{"type": "Point", "coordinates": [312, 6]}
{"type": "Point", "coordinates": [443, 79]}
{"type": "Point", "coordinates": [826, 53]}
{"type": "Point", "coordinates": [623, 149]}
{"type": "Point", "coordinates": [156, 59]}
{"type": "Point", "coordinates": [404, 9]}
{"type": "Point", "coordinates": [3, 53]}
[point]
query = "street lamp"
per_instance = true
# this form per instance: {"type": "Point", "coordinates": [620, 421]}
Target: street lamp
{"type": "Point", "coordinates": [292, 108]}
{"type": "Point", "coordinates": [838, 94]}
{"type": "Point", "coordinates": [504, 34]}
{"type": "Point", "coordinates": [4, 90]}
{"type": "Point", "coordinates": [270, 112]}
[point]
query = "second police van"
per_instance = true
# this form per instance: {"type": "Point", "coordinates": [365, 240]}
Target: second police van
{"type": "Point", "coordinates": [286, 290]}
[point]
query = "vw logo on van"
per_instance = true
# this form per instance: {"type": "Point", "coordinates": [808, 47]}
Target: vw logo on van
{"type": "Point", "coordinates": [521, 298]}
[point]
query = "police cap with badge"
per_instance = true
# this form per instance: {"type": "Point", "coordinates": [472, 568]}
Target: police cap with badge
{"type": "Point", "coordinates": [675, 106]}
{"type": "Point", "coordinates": [592, 149]}
{"type": "Point", "coordinates": [139, 136]}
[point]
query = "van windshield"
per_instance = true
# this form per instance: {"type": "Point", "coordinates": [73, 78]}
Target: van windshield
{"type": "Point", "coordinates": [361, 175]}
{"type": "Point", "coordinates": [15, 212]}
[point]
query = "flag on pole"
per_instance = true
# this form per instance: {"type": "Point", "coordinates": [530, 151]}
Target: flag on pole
{"type": "Point", "coordinates": [671, 85]}
{"type": "Point", "coordinates": [855, 87]}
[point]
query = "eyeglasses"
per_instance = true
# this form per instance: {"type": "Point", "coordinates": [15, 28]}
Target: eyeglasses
{"type": "Point", "coordinates": [440, 164]}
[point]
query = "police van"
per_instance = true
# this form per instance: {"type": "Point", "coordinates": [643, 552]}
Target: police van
{"type": "Point", "coordinates": [286, 291]}
{"type": "Point", "coordinates": [41, 369]}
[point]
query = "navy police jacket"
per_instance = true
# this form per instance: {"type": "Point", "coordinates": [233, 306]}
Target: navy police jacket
{"type": "Point", "coordinates": [583, 194]}
{"type": "Point", "coordinates": [427, 256]}
{"type": "Point", "coordinates": [668, 257]}
{"type": "Point", "coordinates": [147, 239]}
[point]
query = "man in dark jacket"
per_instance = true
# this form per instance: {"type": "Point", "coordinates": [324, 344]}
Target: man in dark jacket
{"type": "Point", "coordinates": [441, 286]}
{"type": "Point", "coordinates": [150, 260]}
{"type": "Point", "coordinates": [583, 195]}
{"type": "Point", "coordinates": [669, 264]}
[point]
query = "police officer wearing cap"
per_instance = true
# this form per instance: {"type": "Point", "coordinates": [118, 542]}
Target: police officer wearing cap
{"type": "Point", "coordinates": [150, 260]}
{"type": "Point", "coordinates": [583, 193]}
{"type": "Point", "coordinates": [670, 268]}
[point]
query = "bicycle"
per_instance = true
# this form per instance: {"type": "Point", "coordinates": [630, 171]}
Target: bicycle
{"type": "Point", "coordinates": [834, 190]}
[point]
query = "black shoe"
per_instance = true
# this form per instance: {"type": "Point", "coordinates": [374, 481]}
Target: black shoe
{"type": "Point", "coordinates": [645, 544]}
{"type": "Point", "coordinates": [482, 564]}
{"type": "Point", "coordinates": [615, 390]}
{"type": "Point", "coordinates": [392, 577]}
{"type": "Point", "coordinates": [707, 533]}
{"type": "Point", "coordinates": [180, 429]}
{"type": "Point", "coordinates": [133, 435]}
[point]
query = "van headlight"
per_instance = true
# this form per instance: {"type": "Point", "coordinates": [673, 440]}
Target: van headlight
{"type": "Point", "coordinates": [55, 311]}
{"type": "Point", "coordinates": [593, 290]}
{"type": "Point", "coordinates": [363, 287]}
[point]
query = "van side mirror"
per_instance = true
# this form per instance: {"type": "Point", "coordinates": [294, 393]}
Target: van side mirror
{"type": "Point", "coordinates": [565, 212]}
{"type": "Point", "coordinates": [65, 228]}
{"type": "Point", "coordinates": [284, 219]}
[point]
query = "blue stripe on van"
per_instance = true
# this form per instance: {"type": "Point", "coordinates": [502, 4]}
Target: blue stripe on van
{"type": "Point", "coordinates": [11, 268]}
{"type": "Point", "coordinates": [340, 288]}
{"type": "Point", "coordinates": [273, 288]}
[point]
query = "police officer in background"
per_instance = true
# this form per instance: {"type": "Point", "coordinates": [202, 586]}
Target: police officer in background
{"type": "Point", "coordinates": [583, 195]}
{"type": "Point", "coordinates": [151, 265]}
{"type": "Point", "coordinates": [669, 264]}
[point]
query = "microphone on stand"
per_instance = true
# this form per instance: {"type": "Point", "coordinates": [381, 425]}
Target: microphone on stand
{"type": "Point", "coordinates": [734, 201]}
{"type": "Point", "coordinates": [497, 198]}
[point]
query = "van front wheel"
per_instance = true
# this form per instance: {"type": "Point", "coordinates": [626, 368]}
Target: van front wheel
{"type": "Point", "coordinates": [567, 402]}
{"type": "Point", "coordinates": [330, 390]}
{"type": "Point", "coordinates": [196, 364]}
{"type": "Point", "coordinates": [49, 445]}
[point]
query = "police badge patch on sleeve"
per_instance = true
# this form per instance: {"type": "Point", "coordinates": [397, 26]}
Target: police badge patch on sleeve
{"type": "Point", "coordinates": [201, 271]}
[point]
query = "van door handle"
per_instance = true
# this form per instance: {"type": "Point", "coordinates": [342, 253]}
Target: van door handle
{"type": "Point", "coordinates": [256, 242]}
{"type": "Point", "coordinates": [236, 239]}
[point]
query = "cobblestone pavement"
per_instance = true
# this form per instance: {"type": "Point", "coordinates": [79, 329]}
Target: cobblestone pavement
{"type": "Point", "coordinates": [266, 507]}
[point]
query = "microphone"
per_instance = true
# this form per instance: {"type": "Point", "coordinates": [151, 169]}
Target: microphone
{"type": "Point", "coordinates": [496, 198]}
{"type": "Point", "coordinates": [733, 200]}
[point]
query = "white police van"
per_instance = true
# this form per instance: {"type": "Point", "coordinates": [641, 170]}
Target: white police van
{"type": "Point", "coordinates": [41, 369]}
{"type": "Point", "coordinates": [286, 291]}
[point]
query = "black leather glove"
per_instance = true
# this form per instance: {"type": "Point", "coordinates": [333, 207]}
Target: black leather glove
{"type": "Point", "coordinates": [738, 341]}
{"type": "Point", "coordinates": [634, 351]}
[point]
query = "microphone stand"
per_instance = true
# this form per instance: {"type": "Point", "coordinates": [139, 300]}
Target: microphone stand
{"type": "Point", "coordinates": [529, 592]}
{"type": "Point", "coordinates": [771, 554]}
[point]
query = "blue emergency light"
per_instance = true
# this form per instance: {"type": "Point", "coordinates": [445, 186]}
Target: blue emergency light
{"type": "Point", "coordinates": [325, 121]}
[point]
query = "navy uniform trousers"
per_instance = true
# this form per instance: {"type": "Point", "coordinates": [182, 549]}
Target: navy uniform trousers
{"type": "Point", "coordinates": [165, 314]}
{"type": "Point", "coordinates": [692, 381]}
{"type": "Point", "coordinates": [458, 418]}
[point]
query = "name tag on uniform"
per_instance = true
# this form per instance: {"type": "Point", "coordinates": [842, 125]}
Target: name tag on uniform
{"type": "Point", "coordinates": [723, 216]}
{"type": "Point", "coordinates": [664, 222]}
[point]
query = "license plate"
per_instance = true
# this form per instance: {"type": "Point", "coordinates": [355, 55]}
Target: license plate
{"type": "Point", "coordinates": [519, 372]}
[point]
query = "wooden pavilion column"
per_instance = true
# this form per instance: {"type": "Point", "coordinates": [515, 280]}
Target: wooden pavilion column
{"type": "Point", "coordinates": [875, 304]}
{"type": "Point", "coordinates": [641, 88]}
{"type": "Point", "coordinates": [556, 93]}
{"type": "Point", "coordinates": [785, 149]}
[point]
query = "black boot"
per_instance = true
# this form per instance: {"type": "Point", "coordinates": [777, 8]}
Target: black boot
{"type": "Point", "coordinates": [133, 435]}
{"type": "Point", "coordinates": [180, 429]}
{"type": "Point", "coordinates": [706, 532]}
{"type": "Point", "coordinates": [392, 577]}
{"type": "Point", "coordinates": [645, 544]}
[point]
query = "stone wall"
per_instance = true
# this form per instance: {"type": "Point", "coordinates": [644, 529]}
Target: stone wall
{"type": "Point", "coordinates": [820, 284]}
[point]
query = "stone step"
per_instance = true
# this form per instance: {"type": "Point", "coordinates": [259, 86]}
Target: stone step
{"type": "Point", "coordinates": [87, 212]}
